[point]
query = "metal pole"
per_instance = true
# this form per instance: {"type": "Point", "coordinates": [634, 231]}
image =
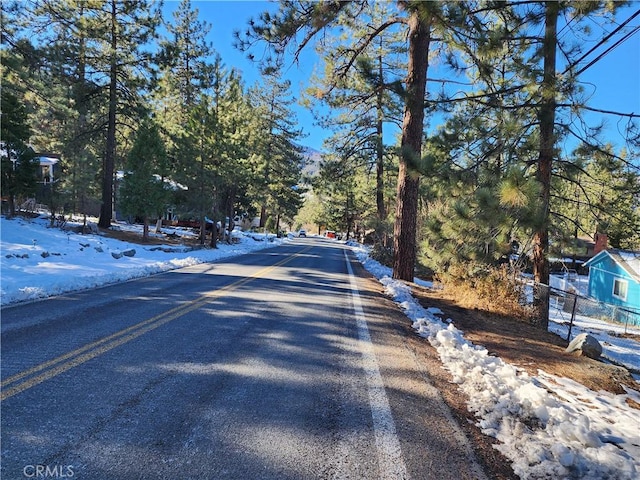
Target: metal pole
{"type": "Point", "coordinates": [626, 322]}
{"type": "Point", "coordinates": [573, 315]}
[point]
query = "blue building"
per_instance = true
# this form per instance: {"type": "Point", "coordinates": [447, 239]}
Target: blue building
{"type": "Point", "coordinates": [614, 278]}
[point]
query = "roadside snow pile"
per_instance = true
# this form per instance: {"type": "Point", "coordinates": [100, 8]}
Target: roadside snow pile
{"type": "Point", "coordinates": [39, 262]}
{"type": "Point", "coordinates": [549, 427]}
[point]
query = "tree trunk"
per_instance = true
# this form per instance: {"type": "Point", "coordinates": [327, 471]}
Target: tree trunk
{"type": "Point", "coordinates": [106, 208]}
{"type": "Point", "coordinates": [230, 213]}
{"type": "Point", "coordinates": [546, 117]}
{"type": "Point", "coordinates": [382, 214]}
{"type": "Point", "coordinates": [214, 235]}
{"type": "Point", "coordinates": [214, 226]}
{"type": "Point", "coordinates": [412, 131]}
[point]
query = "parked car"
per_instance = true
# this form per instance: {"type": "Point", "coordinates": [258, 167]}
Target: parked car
{"type": "Point", "coordinates": [302, 233]}
{"type": "Point", "coordinates": [330, 234]}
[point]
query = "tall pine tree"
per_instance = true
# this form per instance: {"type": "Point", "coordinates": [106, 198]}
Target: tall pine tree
{"type": "Point", "coordinates": [127, 27]}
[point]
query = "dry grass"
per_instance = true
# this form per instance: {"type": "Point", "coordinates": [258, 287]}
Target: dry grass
{"type": "Point", "coordinates": [512, 338]}
{"type": "Point", "coordinates": [491, 289]}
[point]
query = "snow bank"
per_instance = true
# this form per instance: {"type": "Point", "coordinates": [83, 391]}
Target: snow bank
{"type": "Point", "coordinates": [38, 262]}
{"type": "Point", "coordinates": [548, 427]}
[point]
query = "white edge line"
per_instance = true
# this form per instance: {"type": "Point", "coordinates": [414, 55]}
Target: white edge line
{"type": "Point", "coordinates": [390, 461]}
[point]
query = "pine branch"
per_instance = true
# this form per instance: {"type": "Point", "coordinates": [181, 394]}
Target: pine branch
{"type": "Point", "coordinates": [597, 148]}
{"type": "Point", "coordinates": [355, 53]}
{"type": "Point", "coordinates": [607, 112]}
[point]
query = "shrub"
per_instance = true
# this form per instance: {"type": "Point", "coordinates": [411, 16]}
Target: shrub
{"type": "Point", "coordinates": [486, 287]}
{"type": "Point", "coordinates": [382, 254]}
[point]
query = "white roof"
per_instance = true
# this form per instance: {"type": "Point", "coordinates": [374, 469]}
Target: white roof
{"type": "Point", "coordinates": [48, 160]}
{"type": "Point", "coordinates": [632, 259]}
{"type": "Point", "coordinates": [628, 260]}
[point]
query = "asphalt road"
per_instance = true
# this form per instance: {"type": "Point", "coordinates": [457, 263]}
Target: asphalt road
{"type": "Point", "coordinates": [279, 364]}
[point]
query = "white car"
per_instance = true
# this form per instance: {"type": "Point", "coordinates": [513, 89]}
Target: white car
{"type": "Point", "coordinates": [302, 233]}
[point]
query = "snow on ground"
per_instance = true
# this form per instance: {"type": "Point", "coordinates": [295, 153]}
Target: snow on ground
{"type": "Point", "coordinates": [38, 262]}
{"type": "Point", "coordinates": [549, 427]}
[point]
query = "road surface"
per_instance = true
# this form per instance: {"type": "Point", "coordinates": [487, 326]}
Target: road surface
{"type": "Point", "coordinates": [279, 364]}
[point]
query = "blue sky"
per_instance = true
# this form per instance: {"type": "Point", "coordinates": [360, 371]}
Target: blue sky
{"type": "Point", "coordinates": [613, 82]}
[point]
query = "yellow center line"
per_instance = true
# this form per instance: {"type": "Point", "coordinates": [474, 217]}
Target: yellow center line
{"type": "Point", "coordinates": [92, 350]}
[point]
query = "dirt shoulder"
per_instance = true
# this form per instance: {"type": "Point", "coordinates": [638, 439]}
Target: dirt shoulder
{"type": "Point", "coordinates": [525, 346]}
{"type": "Point", "coordinates": [515, 342]}
{"type": "Point", "coordinates": [132, 237]}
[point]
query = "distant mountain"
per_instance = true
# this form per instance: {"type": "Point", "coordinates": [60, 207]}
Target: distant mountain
{"type": "Point", "coordinates": [312, 159]}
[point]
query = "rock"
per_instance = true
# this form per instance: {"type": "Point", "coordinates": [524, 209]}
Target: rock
{"type": "Point", "coordinates": [44, 254]}
{"type": "Point", "coordinates": [129, 252]}
{"type": "Point", "coordinates": [116, 255]}
{"type": "Point", "coordinates": [99, 249]}
{"type": "Point", "coordinates": [586, 345]}
{"type": "Point", "coordinates": [73, 228]}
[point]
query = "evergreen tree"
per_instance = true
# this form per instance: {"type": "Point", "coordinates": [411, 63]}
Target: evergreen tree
{"type": "Point", "coordinates": [520, 107]}
{"type": "Point", "coordinates": [198, 154]}
{"type": "Point", "coordinates": [202, 110]}
{"type": "Point", "coordinates": [73, 26]}
{"type": "Point", "coordinates": [277, 157]}
{"type": "Point", "coordinates": [143, 193]}
{"type": "Point", "coordinates": [89, 82]}
{"type": "Point", "coordinates": [19, 168]}
{"type": "Point", "coordinates": [233, 168]}
{"type": "Point", "coordinates": [306, 20]}
{"type": "Point", "coordinates": [212, 158]}
{"type": "Point", "coordinates": [128, 26]}
{"type": "Point", "coordinates": [183, 55]}
{"type": "Point", "coordinates": [597, 192]}
{"type": "Point", "coordinates": [364, 104]}
{"type": "Point", "coordinates": [348, 193]}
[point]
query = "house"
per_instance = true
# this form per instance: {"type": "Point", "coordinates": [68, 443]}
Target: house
{"type": "Point", "coordinates": [48, 163]}
{"type": "Point", "coordinates": [614, 278]}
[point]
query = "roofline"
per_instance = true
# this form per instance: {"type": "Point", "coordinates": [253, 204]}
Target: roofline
{"type": "Point", "coordinates": [614, 255]}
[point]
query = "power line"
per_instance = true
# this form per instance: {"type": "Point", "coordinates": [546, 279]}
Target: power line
{"type": "Point", "coordinates": [602, 42]}
{"type": "Point", "coordinates": [626, 37]}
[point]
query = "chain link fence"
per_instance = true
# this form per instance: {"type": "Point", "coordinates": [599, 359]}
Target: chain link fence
{"type": "Point", "coordinates": [570, 304]}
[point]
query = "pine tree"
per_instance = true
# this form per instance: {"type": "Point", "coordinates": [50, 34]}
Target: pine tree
{"type": "Point", "coordinates": [143, 193]}
{"type": "Point", "coordinates": [597, 192]}
{"type": "Point", "coordinates": [364, 104]}
{"type": "Point", "coordinates": [128, 26]}
{"type": "Point", "coordinates": [200, 104]}
{"type": "Point", "coordinates": [277, 156]}
{"type": "Point", "coordinates": [17, 170]}
{"type": "Point", "coordinates": [19, 167]}
{"type": "Point", "coordinates": [72, 25]}
{"type": "Point", "coordinates": [520, 107]}
{"type": "Point", "coordinates": [72, 104]}
{"type": "Point", "coordinates": [234, 174]}
{"type": "Point", "coordinates": [347, 191]}
{"type": "Point", "coordinates": [184, 70]}
{"type": "Point", "coordinates": [297, 18]}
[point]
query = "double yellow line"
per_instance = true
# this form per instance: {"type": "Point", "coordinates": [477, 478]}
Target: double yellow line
{"type": "Point", "coordinates": [34, 376]}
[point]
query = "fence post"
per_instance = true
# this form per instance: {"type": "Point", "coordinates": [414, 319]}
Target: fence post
{"type": "Point", "coordinates": [573, 315]}
{"type": "Point", "coordinates": [626, 320]}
